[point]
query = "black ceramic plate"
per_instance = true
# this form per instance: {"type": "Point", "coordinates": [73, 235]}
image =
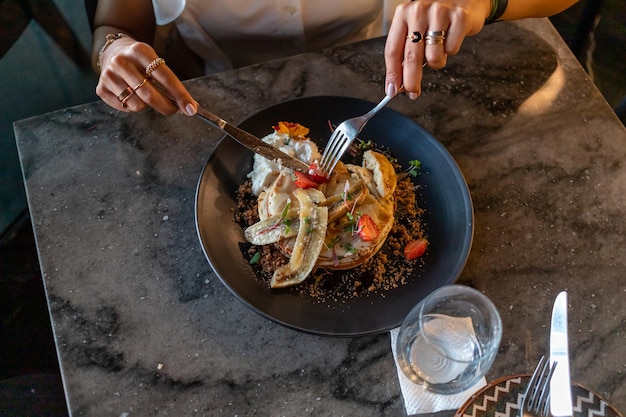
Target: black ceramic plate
{"type": "Point", "coordinates": [503, 398]}
{"type": "Point", "coordinates": [442, 192]}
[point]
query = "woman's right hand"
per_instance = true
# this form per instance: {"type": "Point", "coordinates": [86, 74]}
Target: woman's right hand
{"type": "Point", "coordinates": [408, 48]}
{"type": "Point", "coordinates": [133, 77]}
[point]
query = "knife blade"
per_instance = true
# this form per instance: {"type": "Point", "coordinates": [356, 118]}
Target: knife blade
{"type": "Point", "coordinates": [560, 384]}
{"type": "Point", "coordinates": [252, 142]}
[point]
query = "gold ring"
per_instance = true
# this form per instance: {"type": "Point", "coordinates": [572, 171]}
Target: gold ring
{"type": "Point", "coordinates": [124, 94]}
{"type": "Point", "coordinates": [152, 65]}
{"type": "Point", "coordinates": [140, 84]}
{"type": "Point", "coordinates": [126, 99]}
{"type": "Point", "coordinates": [435, 37]}
{"type": "Point", "coordinates": [434, 40]}
{"type": "Point", "coordinates": [416, 37]}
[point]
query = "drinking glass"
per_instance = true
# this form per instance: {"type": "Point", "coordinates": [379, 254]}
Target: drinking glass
{"type": "Point", "coordinates": [449, 340]}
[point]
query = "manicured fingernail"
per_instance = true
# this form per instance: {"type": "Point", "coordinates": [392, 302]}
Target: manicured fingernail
{"type": "Point", "coordinates": [413, 96]}
{"type": "Point", "coordinates": [391, 90]}
{"type": "Point", "coordinates": [190, 109]}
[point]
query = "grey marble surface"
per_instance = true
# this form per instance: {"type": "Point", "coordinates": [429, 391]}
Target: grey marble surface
{"type": "Point", "coordinates": [144, 328]}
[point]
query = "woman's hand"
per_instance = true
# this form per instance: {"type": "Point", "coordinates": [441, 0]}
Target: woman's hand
{"type": "Point", "coordinates": [133, 77]}
{"type": "Point", "coordinates": [426, 32]}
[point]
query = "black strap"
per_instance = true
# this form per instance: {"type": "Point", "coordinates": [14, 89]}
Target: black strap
{"type": "Point", "coordinates": [497, 11]}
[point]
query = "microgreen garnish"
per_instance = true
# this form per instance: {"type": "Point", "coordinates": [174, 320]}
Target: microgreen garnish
{"type": "Point", "coordinates": [255, 258]}
{"type": "Point", "coordinates": [332, 243]}
{"type": "Point", "coordinates": [363, 145]}
{"type": "Point", "coordinates": [349, 247]}
{"type": "Point", "coordinates": [414, 165]}
{"type": "Point", "coordinates": [317, 281]}
{"type": "Point", "coordinates": [286, 209]}
{"type": "Point", "coordinates": [282, 220]}
{"type": "Point", "coordinates": [351, 222]}
{"type": "Point", "coordinates": [355, 223]}
{"type": "Point", "coordinates": [346, 195]}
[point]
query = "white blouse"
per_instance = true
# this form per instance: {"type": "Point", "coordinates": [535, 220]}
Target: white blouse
{"type": "Point", "coordinates": [235, 33]}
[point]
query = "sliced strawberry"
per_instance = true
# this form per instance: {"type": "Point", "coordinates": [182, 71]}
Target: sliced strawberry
{"type": "Point", "coordinates": [315, 174]}
{"type": "Point", "coordinates": [415, 249]}
{"type": "Point", "coordinates": [303, 181]}
{"type": "Point", "coordinates": [368, 230]}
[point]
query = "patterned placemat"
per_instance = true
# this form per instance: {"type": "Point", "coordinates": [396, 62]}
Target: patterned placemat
{"type": "Point", "coordinates": [503, 398]}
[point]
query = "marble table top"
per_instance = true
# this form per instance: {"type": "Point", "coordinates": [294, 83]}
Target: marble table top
{"type": "Point", "coordinates": [144, 328]}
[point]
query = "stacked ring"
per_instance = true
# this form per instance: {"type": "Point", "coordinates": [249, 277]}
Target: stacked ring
{"type": "Point", "coordinates": [416, 37]}
{"type": "Point", "coordinates": [126, 99]}
{"type": "Point", "coordinates": [152, 65]}
{"type": "Point", "coordinates": [435, 37]}
{"type": "Point", "coordinates": [124, 95]}
{"type": "Point", "coordinates": [140, 84]}
{"type": "Point", "coordinates": [128, 92]}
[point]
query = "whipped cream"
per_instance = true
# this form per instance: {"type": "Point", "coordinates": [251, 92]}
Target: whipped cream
{"type": "Point", "coordinates": [265, 171]}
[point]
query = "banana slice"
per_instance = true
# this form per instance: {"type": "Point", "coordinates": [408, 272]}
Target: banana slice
{"type": "Point", "coordinates": [274, 228]}
{"type": "Point", "coordinates": [309, 241]}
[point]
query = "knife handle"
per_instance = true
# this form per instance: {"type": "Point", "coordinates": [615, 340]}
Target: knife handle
{"type": "Point", "coordinates": [211, 118]}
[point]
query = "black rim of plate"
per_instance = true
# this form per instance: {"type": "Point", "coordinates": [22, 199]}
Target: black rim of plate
{"type": "Point", "coordinates": [443, 192]}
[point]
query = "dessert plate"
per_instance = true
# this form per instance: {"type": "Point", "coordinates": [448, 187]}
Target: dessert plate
{"type": "Point", "coordinates": [441, 191]}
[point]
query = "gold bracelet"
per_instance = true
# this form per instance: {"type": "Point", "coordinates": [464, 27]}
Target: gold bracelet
{"type": "Point", "coordinates": [110, 38]}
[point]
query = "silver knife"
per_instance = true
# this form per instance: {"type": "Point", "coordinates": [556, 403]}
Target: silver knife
{"type": "Point", "coordinates": [252, 142]}
{"type": "Point", "coordinates": [560, 384]}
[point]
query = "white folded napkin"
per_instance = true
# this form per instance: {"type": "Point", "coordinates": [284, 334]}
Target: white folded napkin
{"type": "Point", "coordinates": [418, 400]}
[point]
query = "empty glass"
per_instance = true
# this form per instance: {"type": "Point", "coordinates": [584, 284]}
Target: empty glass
{"type": "Point", "coordinates": [449, 340]}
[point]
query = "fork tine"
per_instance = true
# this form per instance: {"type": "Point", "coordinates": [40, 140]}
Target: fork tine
{"type": "Point", "coordinates": [533, 385]}
{"type": "Point", "coordinates": [536, 398]}
{"type": "Point", "coordinates": [545, 398]}
{"type": "Point", "coordinates": [339, 151]}
{"type": "Point", "coordinates": [345, 134]}
{"type": "Point", "coordinates": [337, 144]}
{"type": "Point", "coordinates": [541, 392]}
{"type": "Point", "coordinates": [331, 144]}
{"type": "Point", "coordinates": [546, 405]}
{"type": "Point", "coordinates": [329, 150]}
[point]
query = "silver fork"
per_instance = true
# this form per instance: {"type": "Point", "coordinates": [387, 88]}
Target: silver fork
{"type": "Point", "coordinates": [345, 134]}
{"type": "Point", "coordinates": [536, 399]}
